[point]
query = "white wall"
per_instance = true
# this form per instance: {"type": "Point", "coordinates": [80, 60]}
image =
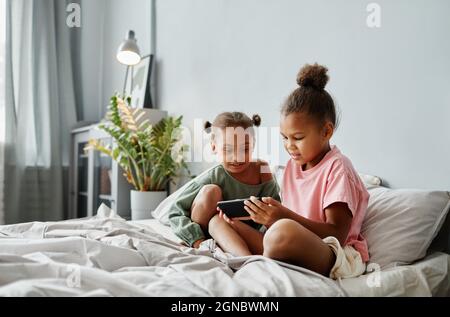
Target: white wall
{"type": "Point", "coordinates": [121, 16]}
{"type": "Point", "coordinates": [391, 84]}
{"type": "Point", "coordinates": [91, 47]}
{"type": "Point", "coordinates": [105, 24]}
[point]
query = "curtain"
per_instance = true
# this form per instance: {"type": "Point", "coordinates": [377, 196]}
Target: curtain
{"type": "Point", "coordinates": [39, 110]}
{"type": "Point", "coordinates": [2, 100]}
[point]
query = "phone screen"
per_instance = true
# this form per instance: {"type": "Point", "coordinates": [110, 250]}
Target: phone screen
{"type": "Point", "coordinates": [234, 208]}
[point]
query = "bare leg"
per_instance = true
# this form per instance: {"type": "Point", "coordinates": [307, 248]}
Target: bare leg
{"type": "Point", "coordinates": [288, 241]}
{"type": "Point", "coordinates": [252, 237]}
{"type": "Point", "coordinates": [204, 206]}
{"type": "Point", "coordinates": [235, 238]}
{"type": "Point", "coordinates": [229, 240]}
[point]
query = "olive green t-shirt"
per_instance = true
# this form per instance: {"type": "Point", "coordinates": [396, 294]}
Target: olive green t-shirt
{"type": "Point", "coordinates": [180, 211]}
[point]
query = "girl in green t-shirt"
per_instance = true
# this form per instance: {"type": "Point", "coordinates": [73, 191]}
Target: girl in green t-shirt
{"type": "Point", "coordinates": [237, 176]}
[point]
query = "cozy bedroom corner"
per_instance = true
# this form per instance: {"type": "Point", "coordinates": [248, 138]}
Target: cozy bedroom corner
{"type": "Point", "coordinates": [224, 148]}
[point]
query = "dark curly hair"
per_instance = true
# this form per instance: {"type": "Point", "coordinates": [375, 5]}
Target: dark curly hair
{"type": "Point", "coordinates": [311, 97]}
{"type": "Point", "coordinates": [233, 119]}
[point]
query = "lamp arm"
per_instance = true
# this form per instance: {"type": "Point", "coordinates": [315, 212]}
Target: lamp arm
{"type": "Point", "coordinates": [125, 83]}
{"type": "Point", "coordinates": [132, 75]}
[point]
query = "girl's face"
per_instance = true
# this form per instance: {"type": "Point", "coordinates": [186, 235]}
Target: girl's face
{"type": "Point", "coordinates": [233, 147]}
{"type": "Point", "coordinates": [304, 139]}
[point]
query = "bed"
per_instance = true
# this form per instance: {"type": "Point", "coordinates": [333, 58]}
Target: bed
{"type": "Point", "coordinates": [106, 255]}
{"type": "Point", "coordinates": [427, 277]}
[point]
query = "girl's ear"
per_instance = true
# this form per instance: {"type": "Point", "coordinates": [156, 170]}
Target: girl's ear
{"type": "Point", "coordinates": [328, 130]}
{"type": "Point", "coordinates": [213, 146]}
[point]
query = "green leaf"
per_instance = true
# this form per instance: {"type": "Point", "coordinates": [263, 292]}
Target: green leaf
{"type": "Point", "coordinates": [145, 152]}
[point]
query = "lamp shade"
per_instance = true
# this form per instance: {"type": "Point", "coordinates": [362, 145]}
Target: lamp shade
{"type": "Point", "coordinates": [128, 52]}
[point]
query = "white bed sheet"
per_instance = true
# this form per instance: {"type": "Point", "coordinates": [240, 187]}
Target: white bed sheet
{"type": "Point", "coordinates": [108, 256]}
{"type": "Point", "coordinates": [428, 277]}
{"type": "Point", "coordinates": [164, 230]}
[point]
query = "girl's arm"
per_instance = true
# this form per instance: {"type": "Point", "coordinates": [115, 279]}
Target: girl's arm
{"type": "Point", "coordinates": [338, 221]}
{"type": "Point", "coordinates": [338, 217]}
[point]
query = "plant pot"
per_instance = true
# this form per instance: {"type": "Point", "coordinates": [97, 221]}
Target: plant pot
{"type": "Point", "coordinates": [143, 203]}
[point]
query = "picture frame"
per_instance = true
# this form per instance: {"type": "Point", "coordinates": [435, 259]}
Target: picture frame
{"type": "Point", "coordinates": [140, 83]}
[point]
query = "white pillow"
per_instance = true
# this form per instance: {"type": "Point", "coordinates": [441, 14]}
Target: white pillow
{"type": "Point", "coordinates": [370, 180]}
{"type": "Point", "coordinates": [162, 211]}
{"type": "Point", "coordinates": [400, 224]}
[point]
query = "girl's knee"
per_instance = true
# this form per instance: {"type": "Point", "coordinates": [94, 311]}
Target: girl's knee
{"type": "Point", "coordinates": [214, 222]}
{"type": "Point", "coordinates": [204, 206]}
{"type": "Point", "coordinates": [210, 192]}
{"type": "Point", "coordinates": [279, 237]}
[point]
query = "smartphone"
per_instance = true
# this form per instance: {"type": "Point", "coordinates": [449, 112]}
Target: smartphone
{"type": "Point", "coordinates": [234, 208]}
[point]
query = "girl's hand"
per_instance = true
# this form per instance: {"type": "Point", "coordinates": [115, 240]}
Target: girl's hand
{"type": "Point", "coordinates": [197, 243]}
{"type": "Point", "coordinates": [224, 217]}
{"type": "Point", "coordinates": [265, 212]}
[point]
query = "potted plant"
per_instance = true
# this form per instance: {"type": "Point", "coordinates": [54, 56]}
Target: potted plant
{"type": "Point", "coordinates": [149, 155]}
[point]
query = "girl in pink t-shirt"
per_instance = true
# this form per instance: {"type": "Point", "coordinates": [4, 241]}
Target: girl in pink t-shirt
{"type": "Point", "coordinates": [324, 201]}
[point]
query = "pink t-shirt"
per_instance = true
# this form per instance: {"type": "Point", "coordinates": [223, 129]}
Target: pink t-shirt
{"type": "Point", "coordinates": [332, 180]}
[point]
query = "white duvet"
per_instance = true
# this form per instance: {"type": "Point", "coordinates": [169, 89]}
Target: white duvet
{"type": "Point", "coordinates": [107, 256]}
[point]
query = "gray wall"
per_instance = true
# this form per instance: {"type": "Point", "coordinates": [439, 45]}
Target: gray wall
{"type": "Point", "coordinates": [104, 26]}
{"type": "Point", "coordinates": [91, 46]}
{"type": "Point", "coordinates": [391, 83]}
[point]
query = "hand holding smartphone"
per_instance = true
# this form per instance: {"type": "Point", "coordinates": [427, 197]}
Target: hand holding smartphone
{"type": "Point", "coordinates": [234, 209]}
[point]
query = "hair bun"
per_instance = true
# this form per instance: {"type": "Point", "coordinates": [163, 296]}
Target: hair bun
{"type": "Point", "coordinates": [314, 76]}
{"type": "Point", "coordinates": [256, 120]}
{"type": "Point", "coordinates": [207, 126]}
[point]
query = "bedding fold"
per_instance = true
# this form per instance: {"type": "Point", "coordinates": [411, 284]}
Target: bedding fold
{"type": "Point", "coordinates": [108, 256]}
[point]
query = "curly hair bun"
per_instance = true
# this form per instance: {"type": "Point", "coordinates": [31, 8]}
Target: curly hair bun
{"type": "Point", "coordinates": [314, 76]}
{"type": "Point", "coordinates": [256, 120]}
